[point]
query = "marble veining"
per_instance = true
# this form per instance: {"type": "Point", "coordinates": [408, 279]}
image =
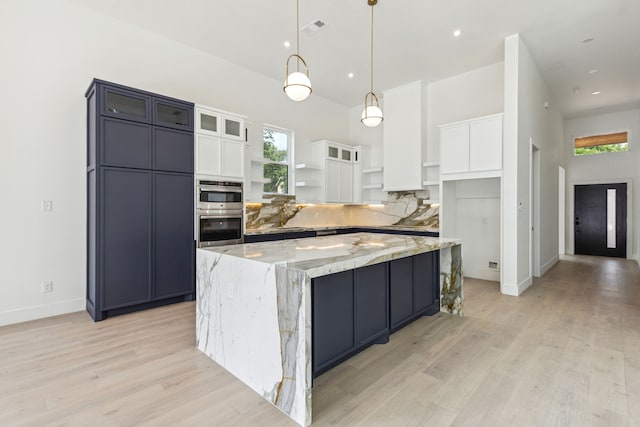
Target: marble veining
{"type": "Point", "coordinates": [451, 292]}
{"type": "Point", "coordinates": [403, 208]}
{"type": "Point", "coordinates": [253, 313]}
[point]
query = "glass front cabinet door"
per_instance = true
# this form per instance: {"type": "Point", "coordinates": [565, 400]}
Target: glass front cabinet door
{"type": "Point", "coordinates": [208, 122]}
{"type": "Point", "coordinates": [172, 114]}
{"type": "Point", "coordinates": [233, 127]}
{"type": "Point", "coordinates": [125, 104]}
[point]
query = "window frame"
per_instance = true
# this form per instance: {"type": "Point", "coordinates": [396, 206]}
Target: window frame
{"type": "Point", "coordinates": [289, 162]}
{"type": "Point", "coordinates": [601, 133]}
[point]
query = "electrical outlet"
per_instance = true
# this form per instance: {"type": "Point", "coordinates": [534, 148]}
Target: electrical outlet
{"type": "Point", "coordinates": [47, 205]}
{"type": "Point", "coordinates": [230, 290]}
{"type": "Point", "coordinates": [493, 264]}
{"type": "Point", "coordinates": [47, 286]}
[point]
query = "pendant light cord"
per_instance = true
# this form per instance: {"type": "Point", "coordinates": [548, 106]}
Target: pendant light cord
{"type": "Point", "coordinates": [298, 33]}
{"type": "Point", "coordinates": [371, 48]}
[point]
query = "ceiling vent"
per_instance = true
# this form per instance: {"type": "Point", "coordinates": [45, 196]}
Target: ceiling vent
{"type": "Point", "coordinates": [314, 27]}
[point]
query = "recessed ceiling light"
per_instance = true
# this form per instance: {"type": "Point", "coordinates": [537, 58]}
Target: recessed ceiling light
{"type": "Point", "coordinates": [593, 71]}
{"type": "Point", "coordinates": [350, 75]}
{"type": "Point", "coordinates": [457, 33]}
{"type": "Point", "coordinates": [595, 93]}
{"type": "Point", "coordinates": [587, 40]}
{"type": "Point", "coordinates": [287, 44]}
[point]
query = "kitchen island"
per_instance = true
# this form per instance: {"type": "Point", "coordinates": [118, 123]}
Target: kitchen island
{"type": "Point", "coordinates": [254, 303]}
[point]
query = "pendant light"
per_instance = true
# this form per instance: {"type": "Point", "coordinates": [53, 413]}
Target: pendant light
{"type": "Point", "coordinates": [297, 85]}
{"type": "Point", "coordinates": [372, 114]}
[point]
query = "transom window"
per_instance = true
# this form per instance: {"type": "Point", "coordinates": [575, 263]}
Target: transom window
{"type": "Point", "coordinates": [278, 152]}
{"type": "Point", "coordinates": [595, 144]}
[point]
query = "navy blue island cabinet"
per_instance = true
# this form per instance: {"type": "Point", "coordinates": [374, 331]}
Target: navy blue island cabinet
{"type": "Point", "coordinates": [140, 230]}
{"type": "Point", "coordinates": [356, 308]}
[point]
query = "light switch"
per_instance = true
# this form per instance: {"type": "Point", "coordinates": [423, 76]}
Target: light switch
{"type": "Point", "coordinates": [47, 205]}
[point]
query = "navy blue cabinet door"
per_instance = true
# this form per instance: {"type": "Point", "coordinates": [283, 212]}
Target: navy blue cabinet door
{"type": "Point", "coordinates": [400, 290]}
{"type": "Point", "coordinates": [124, 103]}
{"type": "Point", "coordinates": [126, 144]}
{"type": "Point", "coordinates": [333, 318]}
{"type": "Point", "coordinates": [424, 280]}
{"type": "Point", "coordinates": [173, 234]}
{"type": "Point", "coordinates": [126, 237]}
{"type": "Point", "coordinates": [372, 314]}
{"type": "Point", "coordinates": [168, 113]}
{"type": "Point", "coordinates": [172, 150]}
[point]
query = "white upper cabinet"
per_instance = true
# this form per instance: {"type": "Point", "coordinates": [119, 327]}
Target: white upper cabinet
{"type": "Point", "coordinates": [232, 155]}
{"type": "Point", "coordinates": [338, 152]}
{"type": "Point", "coordinates": [454, 148]}
{"type": "Point", "coordinates": [471, 146]}
{"type": "Point", "coordinates": [219, 139]}
{"type": "Point", "coordinates": [208, 122]}
{"type": "Point", "coordinates": [485, 144]}
{"type": "Point", "coordinates": [208, 155]}
{"type": "Point", "coordinates": [403, 138]}
{"type": "Point", "coordinates": [233, 127]}
{"type": "Point", "coordinates": [330, 175]}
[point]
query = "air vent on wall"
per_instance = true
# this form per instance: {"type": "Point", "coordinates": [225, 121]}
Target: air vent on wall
{"type": "Point", "coordinates": [314, 27]}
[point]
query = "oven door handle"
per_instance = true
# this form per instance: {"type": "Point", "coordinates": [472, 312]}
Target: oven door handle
{"type": "Point", "coordinates": [221, 189]}
{"type": "Point", "coordinates": [219, 216]}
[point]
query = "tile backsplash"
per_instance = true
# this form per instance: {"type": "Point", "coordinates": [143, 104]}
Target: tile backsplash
{"type": "Point", "coordinates": [402, 208]}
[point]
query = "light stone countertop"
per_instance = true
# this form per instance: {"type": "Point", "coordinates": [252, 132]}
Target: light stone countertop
{"type": "Point", "coordinates": [319, 256]}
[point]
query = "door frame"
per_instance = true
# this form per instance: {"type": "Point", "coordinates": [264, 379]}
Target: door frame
{"type": "Point", "coordinates": [562, 206]}
{"type": "Point", "coordinates": [571, 213]}
{"type": "Point", "coordinates": [534, 210]}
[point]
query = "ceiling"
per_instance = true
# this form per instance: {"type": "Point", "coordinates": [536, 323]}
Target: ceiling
{"type": "Point", "coordinates": [413, 41]}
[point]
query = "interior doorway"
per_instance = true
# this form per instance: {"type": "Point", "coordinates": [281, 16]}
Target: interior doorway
{"type": "Point", "coordinates": [600, 223]}
{"type": "Point", "coordinates": [534, 211]}
{"type": "Point", "coordinates": [561, 210]}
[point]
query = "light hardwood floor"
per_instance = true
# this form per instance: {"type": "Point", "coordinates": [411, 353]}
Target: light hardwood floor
{"type": "Point", "coordinates": [565, 353]}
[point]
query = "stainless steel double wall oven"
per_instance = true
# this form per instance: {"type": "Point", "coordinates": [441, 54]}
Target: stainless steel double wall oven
{"type": "Point", "coordinates": [219, 213]}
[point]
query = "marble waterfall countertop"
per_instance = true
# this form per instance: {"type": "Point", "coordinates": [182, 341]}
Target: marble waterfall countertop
{"type": "Point", "coordinates": [285, 229]}
{"type": "Point", "coordinates": [319, 256]}
{"type": "Point", "coordinates": [253, 311]}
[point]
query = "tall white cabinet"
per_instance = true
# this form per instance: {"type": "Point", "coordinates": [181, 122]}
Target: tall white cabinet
{"type": "Point", "coordinates": [219, 143]}
{"type": "Point", "coordinates": [403, 142]}
{"type": "Point", "coordinates": [338, 170]}
{"type": "Point", "coordinates": [329, 177]}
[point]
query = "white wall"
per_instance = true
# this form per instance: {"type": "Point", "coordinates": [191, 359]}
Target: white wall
{"type": "Point", "coordinates": [359, 134]}
{"type": "Point", "coordinates": [527, 121]}
{"type": "Point", "coordinates": [605, 168]}
{"type": "Point", "coordinates": [475, 93]}
{"type": "Point", "coordinates": [477, 223]}
{"type": "Point", "coordinates": [50, 52]}
{"type": "Point", "coordinates": [562, 201]}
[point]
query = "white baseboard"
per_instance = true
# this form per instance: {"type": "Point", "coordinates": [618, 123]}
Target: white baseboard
{"type": "Point", "coordinates": [516, 290]}
{"type": "Point", "coordinates": [547, 265]}
{"type": "Point", "coordinates": [40, 311]}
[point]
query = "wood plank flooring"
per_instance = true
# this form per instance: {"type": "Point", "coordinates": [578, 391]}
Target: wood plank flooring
{"type": "Point", "coordinates": [566, 353]}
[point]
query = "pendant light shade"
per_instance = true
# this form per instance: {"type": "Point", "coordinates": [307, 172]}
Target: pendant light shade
{"type": "Point", "coordinates": [297, 85]}
{"type": "Point", "coordinates": [372, 113]}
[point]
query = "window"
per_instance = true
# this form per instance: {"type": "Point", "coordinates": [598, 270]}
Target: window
{"type": "Point", "coordinates": [278, 152]}
{"type": "Point", "coordinates": [595, 144]}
